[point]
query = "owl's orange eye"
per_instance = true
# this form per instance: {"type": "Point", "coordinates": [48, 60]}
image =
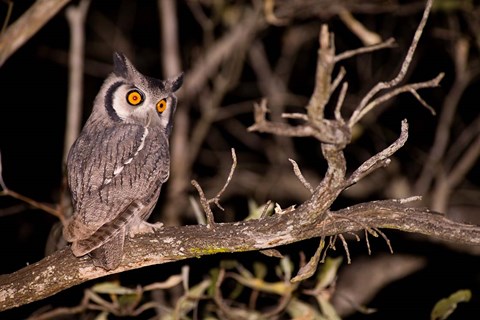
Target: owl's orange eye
{"type": "Point", "coordinates": [161, 105]}
{"type": "Point", "coordinates": [134, 97]}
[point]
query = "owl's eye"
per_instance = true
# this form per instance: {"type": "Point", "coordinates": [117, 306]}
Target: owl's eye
{"type": "Point", "coordinates": [134, 97]}
{"type": "Point", "coordinates": [161, 105]}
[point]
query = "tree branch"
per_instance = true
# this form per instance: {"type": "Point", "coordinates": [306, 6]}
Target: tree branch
{"type": "Point", "coordinates": [62, 270]}
{"type": "Point", "coordinates": [27, 25]}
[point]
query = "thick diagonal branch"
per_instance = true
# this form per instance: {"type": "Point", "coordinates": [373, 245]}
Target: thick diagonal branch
{"type": "Point", "coordinates": [62, 270]}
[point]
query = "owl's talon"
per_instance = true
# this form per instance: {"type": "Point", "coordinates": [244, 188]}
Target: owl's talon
{"type": "Point", "coordinates": [144, 227]}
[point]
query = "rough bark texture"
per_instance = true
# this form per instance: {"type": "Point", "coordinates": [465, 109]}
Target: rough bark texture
{"type": "Point", "coordinates": [62, 270]}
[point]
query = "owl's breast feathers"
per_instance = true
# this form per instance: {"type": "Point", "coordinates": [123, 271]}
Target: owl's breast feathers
{"type": "Point", "coordinates": [114, 172]}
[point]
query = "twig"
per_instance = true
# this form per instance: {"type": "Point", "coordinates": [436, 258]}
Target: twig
{"type": "Point", "coordinates": [403, 70]}
{"type": "Point", "coordinates": [389, 43]}
{"type": "Point", "coordinates": [423, 102]}
{"type": "Point", "coordinates": [197, 211]}
{"type": "Point", "coordinates": [7, 15]}
{"type": "Point", "coordinates": [265, 209]}
{"type": "Point", "coordinates": [368, 242]}
{"type": "Point", "coordinates": [338, 107]}
{"type": "Point", "coordinates": [33, 203]}
{"type": "Point", "coordinates": [338, 79]}
{"type": "Point", "coordinates": [345, 246]}
{"type": "Point", "coordinates": [368, 37]}
{"type": "Point", "coordinates": [385, 238]}
{"type": "Point", "coordinates": [269, 9]}
{"type": "Point", "coordinates": [216, 199]}
{"type": "Point", "coordinates": [300, 177]}
{"type": "Point", "coordinates": [204, 203]}
{"type": "Point", "coordinates": [327, 132]}
{"type": "Point", "coordinates": [435, 82]}
{"type": "Point", "coordinates": [323, 75]}
{"type": "Point", "coordinates": [298, 116]}
{"type": "Point", "coordinates": [380, 159]}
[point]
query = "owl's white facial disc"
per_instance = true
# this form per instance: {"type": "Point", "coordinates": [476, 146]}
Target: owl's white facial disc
{"type": "Point", "coordinates": [133, 104]}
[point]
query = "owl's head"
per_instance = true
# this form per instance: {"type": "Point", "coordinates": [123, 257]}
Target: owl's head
{"type": "Point", "coordinates": [127, 96]}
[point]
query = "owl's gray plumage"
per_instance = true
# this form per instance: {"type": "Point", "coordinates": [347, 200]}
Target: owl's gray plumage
{"type": "Point", "coordinates": [119, 162]}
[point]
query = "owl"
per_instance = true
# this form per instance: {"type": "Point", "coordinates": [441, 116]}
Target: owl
{"type": "Point", "coordinates": [119, 162]}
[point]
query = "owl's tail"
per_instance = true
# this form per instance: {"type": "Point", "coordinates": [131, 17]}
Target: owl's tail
{"type": "Point", "coordinates": [110, 254]}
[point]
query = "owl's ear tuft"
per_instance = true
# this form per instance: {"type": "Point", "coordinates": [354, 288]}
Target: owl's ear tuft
{"type": "Point", "coordinates": [176, 82]}
{"type": "Point", "coordinates": [122, 67]}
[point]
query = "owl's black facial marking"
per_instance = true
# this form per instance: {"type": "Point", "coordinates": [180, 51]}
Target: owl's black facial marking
{"type": "Point", "coordinates": [109, 101]}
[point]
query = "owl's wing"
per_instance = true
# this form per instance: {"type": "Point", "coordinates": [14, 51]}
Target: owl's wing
{"type": "Point", "coordinates": [113, 173]}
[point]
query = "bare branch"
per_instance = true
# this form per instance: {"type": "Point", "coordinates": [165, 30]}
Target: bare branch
{"type": "Point", "coordinates": [381, 158]}
{"type": "Point", "coordinates": [435, 82]}
{"type": "Point", "coordinates": [323, 76]}
{"type": "Point", "coordinates": [36, 282]}
{"type": "Point", "coordinates": [423, 102]}
{"type": "Point", "coordinates": [345, 246]}
{"type": "Point", "coordinates": [216, 199]}
{"type": "Point", "coordinates": [27, 25]}
{"type": "Point", "coordinates": [338, 79]}
{"type": "Point", "coordinates": [338, 107]}
{"type": "Point", "coordinates": [389, 43]}
{"type": "Point", "coordinates": [204, 203]}
{"type": "Point", "coordinates": [265, 209]}
{"type": "Point", "coordinates": [327, 132]}
{"type": "Point", "coordinates": [368, 37]}
{"type": "Point", "coordinates": [385, 238]}
{"type": "Point", "coordinates": [403, 70]}
{"type": "Point", "coordinates": [300, 177]}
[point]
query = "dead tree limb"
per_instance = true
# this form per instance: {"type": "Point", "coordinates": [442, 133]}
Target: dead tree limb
{"type": "Point", "coordinates": [62, 270]}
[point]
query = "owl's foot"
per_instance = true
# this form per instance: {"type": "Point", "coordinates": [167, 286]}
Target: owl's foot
{"type": "Point", "coordinates": [144, 227]}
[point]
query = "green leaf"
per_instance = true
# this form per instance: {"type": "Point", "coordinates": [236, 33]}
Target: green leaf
{"type": "Point", "coordinates": [445, 307]}
{"type": "Point", "coordinates": [328, 273]}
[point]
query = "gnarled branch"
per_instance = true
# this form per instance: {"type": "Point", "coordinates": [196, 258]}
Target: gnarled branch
{"type": "Point", "coordinates": [62, 270]}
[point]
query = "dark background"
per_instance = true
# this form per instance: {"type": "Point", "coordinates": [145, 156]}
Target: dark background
{"type": "Point", "coordinates": [33, 91]}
